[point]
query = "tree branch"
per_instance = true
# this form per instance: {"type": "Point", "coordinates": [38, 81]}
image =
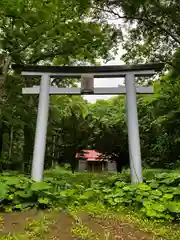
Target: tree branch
{"type": "Point", "coordinates": [162, 29]}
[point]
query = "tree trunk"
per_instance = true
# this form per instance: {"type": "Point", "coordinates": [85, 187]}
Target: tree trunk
{"type": "Point", "coordinates": [10, 142]}
{"type": "Point", "coordinates": [1, 138]}
{"type": "Point", "coordinates": [119, 165]}
{"type": "Point", "coordinates": [2, 129]}
{"type": "Point", "coordinates": [27, 149]}
{"type": "Point", "coordinates": [53, 151]}
{"type": "Point", "coordinates": [73, 161]}
{"type": "Point", "coordinates": [5, 61]}
{"type": "Point", "coordinates": [122, 161]}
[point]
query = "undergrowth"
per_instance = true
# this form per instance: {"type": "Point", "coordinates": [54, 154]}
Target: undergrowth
{"type": "Point", "coordinates": [158, 198]}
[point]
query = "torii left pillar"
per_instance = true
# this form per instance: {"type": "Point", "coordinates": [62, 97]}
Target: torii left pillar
{"type": "Point", "coordinates": [41, 129]}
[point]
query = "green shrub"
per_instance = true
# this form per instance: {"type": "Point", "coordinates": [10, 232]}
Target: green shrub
{"type": "Point", "coordinates": [67, 166]}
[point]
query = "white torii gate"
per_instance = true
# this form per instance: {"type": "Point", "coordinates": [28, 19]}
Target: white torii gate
{"type": "Point", "coordinates": [129, 72]}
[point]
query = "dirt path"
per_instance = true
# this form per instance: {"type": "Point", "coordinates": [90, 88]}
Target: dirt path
{"type": "Point", "coordinates": [114, 229]}
{"type": "Point", "coordinates": [16, 222]}
{"type": "Point", "coordinates": [52, 226]}
{"type": "Point", "coordinates": [62, 226]}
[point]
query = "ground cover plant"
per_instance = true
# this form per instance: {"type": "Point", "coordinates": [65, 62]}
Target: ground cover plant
{"type": "Point", "coordinates": [157, 198]}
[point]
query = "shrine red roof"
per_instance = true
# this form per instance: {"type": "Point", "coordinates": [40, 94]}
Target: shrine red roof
{"type": "Point", "coordinates": [90, 155]}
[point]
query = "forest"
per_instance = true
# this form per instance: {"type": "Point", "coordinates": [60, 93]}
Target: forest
{"type": "Point", "coordinates": [48, 33]}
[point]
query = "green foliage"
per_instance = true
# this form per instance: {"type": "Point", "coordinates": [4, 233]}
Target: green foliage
{"type": "Point", "coordinates": [18, 193]}
{"type": "Point", "coordinates": [69, 128]}
{"type": "Point", "coordinates": [67, 166]}
{"type": "Point", "coordinates": [33, 31]}
{"type": "Point", "coordinates": [159, 121]}
{"type": "Point", "coordinates": [152, 29]}
{"type": "Point", "coordinates": [110, 132]}
{"type": "Point", "coordinates": [48, 32]}
{"type": "Point", "coordinates": [156, 198]}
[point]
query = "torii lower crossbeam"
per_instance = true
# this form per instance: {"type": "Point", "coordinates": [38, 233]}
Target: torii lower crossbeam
{"type": "Point", "coordinates": [97, 91]}
{"type": "Point", "coordinates": [129, 72]}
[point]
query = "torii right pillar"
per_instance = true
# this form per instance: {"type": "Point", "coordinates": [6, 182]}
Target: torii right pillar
{"type": "Point", "coordinates": [133, 129]}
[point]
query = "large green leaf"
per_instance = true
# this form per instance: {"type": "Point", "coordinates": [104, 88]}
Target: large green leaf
{"type": "Point", "coordinates": [24, 194]}
{"type": "Point", "coordinates": [43, 201]}
{"type": "Point", "coordinates": [174, 207]}
{"type": "Point", "coordinates": [160, 207]}
{"type": "Point", "coordinates": [39, 186]}
{"type": "Point", "coordinates": [12, 180]}
{"type": "Point", "coordinates": [3, 191]}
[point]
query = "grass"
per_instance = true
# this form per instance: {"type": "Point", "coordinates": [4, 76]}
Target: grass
{"type": "Point", "coordinates": [83, 232]}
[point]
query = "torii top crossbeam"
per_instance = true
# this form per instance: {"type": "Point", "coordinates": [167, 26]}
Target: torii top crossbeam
{"type": "Point", "coordinates": [96, 71]}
